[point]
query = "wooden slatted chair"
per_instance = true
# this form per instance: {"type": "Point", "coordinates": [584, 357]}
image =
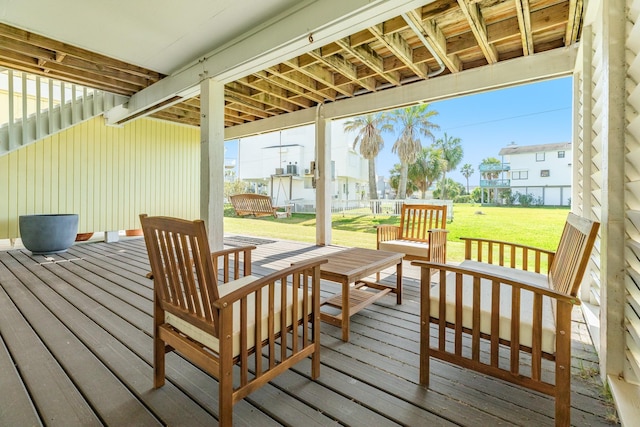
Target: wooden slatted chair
{"type": "Point", "coordinates": [244, 332]}
{"type": "Point", "coordinates": [503, 299]}
{"type": "Point", "coordinates": [421, 234]}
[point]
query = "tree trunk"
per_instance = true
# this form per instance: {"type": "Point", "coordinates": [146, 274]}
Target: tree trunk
{"type": "Point", "coordinates": [443, 189]}
{"type": "Point", "coordinates": [402, 187]}
{"type": "Point", "coordinates": [373, 189]}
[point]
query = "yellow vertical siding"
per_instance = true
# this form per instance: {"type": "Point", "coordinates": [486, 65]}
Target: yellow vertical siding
{"type": "Point", "coordinates": [107, 175]}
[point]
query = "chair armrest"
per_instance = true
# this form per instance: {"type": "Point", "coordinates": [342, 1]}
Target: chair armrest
{"type": "Point", "coordinates": [297, 268]}
{"type": "Point", "coordinates": [432, 268]}
{"type": "Point", "coordinates": [508, 254]}
{"type": "Point", "coordinates": [233, 257]}
{"type": "Point", "coordinates": [386, 232]}
{"type": "Point", "coordinates": [438, 245]}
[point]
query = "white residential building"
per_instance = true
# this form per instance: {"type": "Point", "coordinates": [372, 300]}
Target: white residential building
{"type": "Point", "coordinates": [280, 164]}
{"type": "Point", "coordinates": [543, 171]}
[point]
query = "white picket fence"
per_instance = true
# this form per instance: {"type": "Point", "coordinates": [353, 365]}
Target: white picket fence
{"type": "Point", "coordinates": [386, 207]}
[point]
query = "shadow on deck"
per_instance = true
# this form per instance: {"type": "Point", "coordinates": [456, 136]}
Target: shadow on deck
{"type": "Point", "coordinates": [76, 349]}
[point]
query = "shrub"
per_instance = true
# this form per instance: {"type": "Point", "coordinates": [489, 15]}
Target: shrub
{"type": "Point", "coordinates": [467, 198]}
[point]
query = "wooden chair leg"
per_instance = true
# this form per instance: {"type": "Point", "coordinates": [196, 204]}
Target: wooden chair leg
{"type": "Point", "coordinates": [225, 384]}
{"type": "Point", "coordinates": [315, 361]}
{"type": "Point", "coordinates": [159, 351]}
{"type": "Point", "coordinates": [563, 366]}
{"type": "Point", "coordinates": [425, 287]}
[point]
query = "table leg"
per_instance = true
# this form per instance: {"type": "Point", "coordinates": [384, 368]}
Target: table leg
{"type": "Point", "coordinates": [345, 311]}
{"type": "Point", "coordinates": [399, 283]}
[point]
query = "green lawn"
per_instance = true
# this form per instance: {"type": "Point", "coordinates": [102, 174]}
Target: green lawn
{"type": "Point", "coordinates": [540, 227]}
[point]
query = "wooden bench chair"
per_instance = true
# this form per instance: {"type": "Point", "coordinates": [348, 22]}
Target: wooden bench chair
{"type": "Point", "coordinates": [243, 332]}
{"type": "Point", "coordinates": [258, 205]}
{"type": "Point", "coordinates": [421, 234]}
{"type": "Point", "coordinates": [501, 311]}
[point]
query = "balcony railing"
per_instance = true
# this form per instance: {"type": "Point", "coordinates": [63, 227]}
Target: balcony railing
{"type": "Point", "coordinates": [491, 167]}
{"type": "Point", "coordinates": [495, 183]}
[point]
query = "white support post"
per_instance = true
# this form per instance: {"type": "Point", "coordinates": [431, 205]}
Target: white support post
{"type": "Point", "coordinates": [612, 248]}
{"type": "Point", "coordinates": [212, 160]}
{"type": "Point", "coordinates": [323, 178]}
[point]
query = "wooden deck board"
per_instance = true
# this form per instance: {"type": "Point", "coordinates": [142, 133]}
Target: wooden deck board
{"type": "Point", "coordinates": [96, 296]}
{"type": "Point", "coordinates": [54, 394]}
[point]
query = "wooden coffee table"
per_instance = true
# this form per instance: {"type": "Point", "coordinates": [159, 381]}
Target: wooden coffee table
{"type": "Point", "coordinates": [349, 267]}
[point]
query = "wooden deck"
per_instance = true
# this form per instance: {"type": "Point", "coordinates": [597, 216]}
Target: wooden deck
{"type": "Point", "coordinates": [76, 349]}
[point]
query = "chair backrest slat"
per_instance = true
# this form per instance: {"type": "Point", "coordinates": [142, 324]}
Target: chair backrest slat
{"type": "Point", "coordinates": [572, 256]}
{"type": "Point", "coordinates": [183, 272]}
{"type": "Point", "coordinates": [417, 220]}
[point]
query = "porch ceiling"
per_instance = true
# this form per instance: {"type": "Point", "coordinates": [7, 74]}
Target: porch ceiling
{"type": "Point", "coordinates": [128, 47]}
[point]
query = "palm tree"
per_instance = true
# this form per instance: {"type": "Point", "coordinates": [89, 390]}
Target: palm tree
{"type": "Point", "coordinates": [394, 180]}
{"type": "Point", "coordinates": [369, 130]}
{"type": "Point", "coordinates": [426, 169]}
{"type": "Point", "coordinates": [467, 170]}
{"type": "Point", "coordinates": [452, 153]}
{"type": "Point", "coordinates": [414, 121]}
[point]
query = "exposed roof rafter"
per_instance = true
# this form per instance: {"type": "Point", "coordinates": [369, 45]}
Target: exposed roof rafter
{"type": "Point", "coordinates": [524, 22]}
{"type": "Point", "coordinates": [357, 47]}
{"type": "Point", "coordinates": [479, 29]}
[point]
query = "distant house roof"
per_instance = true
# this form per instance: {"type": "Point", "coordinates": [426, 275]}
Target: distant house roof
{"type": "Point", "coordinates": [539, 148]}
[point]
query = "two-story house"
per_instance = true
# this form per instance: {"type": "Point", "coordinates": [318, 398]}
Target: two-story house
{"type": "Point", "coordinates": [542, 171]}
{"type": "Point", "coordinates": [280, 164]}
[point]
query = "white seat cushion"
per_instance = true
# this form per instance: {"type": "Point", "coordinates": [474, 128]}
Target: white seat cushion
{"type": "Point", "coordinates": [224, 289]}
{"type": "Point", "coordinates": [406, 247]}
{"type": "Point", "coordinates": [526, 304]}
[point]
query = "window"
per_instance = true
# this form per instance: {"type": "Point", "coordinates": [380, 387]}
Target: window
{"type": "Point", "coordinates": [539, 157]}
{"type": "Point", "coordinates": [561, 154]}
{"type": "Point", "coordinates": [515, 175]}
{"type": "Point", "coordinates": [544, 173]}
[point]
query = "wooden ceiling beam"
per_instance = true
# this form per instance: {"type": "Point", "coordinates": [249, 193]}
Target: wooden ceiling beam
{"type": "Point", "coordinates": [542, 20]}
{"type": "Point", "coordinates": [233, 116]}
{"type": "Point", "coordinates": [56, 46]}
{"type": "Point", "coordinates": [371, 59]}
{"type": "Point", "coordinates": [479, 29]}
{"type": "Point", "coordinates": [524, 22]}
{"type": "Point", "coordinates": [341, 66]}
{"type": "Point", "coordinates": [574, 22]}
{"type": "Point", "coordinates": [304, 81]}
{"type": "Point", "coordinates": [275, 102]}
{"type": "Point", "coordinates": [438, 40]}
{"type": "Point", "coordinates": [237, 105]}
{"type": "Point", "coordinates": [178, 111]}
{"type": "Point", "coordinates": [285, 84]}
{"type": "Point", "coordinates": [401, 49]}
{"type": "Point", "coordinates": [234, 94]}
{"type": "Point", "coordinates": [28, 64]}
{"type": "Point", "coordinates": [43, 56]}
{"type": "Point", "coordinates": [320, 74]}
{"type": "Point", "coordinates": [266, 86]}
{"type": "Point", "coordinates": [176, 117]}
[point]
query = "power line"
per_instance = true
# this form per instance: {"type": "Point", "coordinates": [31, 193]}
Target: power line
{"type": "Point", "coordinates": [509, 118]}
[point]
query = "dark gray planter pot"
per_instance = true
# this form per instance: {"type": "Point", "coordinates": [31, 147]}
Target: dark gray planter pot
{"type": "Point", "coordinates": [48, 233]}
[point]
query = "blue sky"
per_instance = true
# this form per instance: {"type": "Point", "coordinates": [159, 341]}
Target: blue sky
{"type": "Point", "coordinates": [531, 114]}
